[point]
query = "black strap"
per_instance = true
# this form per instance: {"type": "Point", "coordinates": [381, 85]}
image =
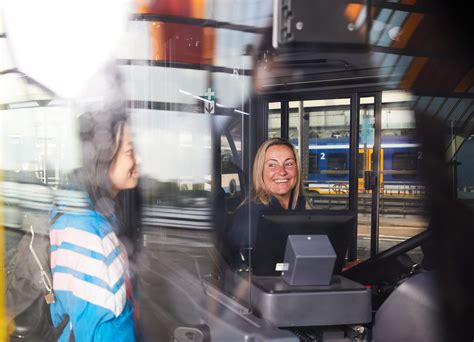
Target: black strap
{"type": "Point", "coordinates": [57, 331]}
{"type": "Point", "coordinates": [55, 218]}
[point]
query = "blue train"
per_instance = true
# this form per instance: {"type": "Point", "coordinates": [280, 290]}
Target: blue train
{"type": "Point", "coordinates": [328, 166]}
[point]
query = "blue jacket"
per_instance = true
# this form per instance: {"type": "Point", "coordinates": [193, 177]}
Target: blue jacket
{"type": "Point", "coordinates": [244, 226]}
{"type": "Point", "coordinates": [90, 279]}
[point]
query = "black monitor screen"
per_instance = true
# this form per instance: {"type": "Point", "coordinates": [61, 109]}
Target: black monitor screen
{"type": "Point", "coordinates": [274, 227]}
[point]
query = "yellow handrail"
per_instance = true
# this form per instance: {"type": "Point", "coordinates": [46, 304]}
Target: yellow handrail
{"type": "Point", "coordinates": [3, 316]}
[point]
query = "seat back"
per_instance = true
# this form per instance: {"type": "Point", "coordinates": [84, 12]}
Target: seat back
{"type": "Point", "coordinates": [412, 312]}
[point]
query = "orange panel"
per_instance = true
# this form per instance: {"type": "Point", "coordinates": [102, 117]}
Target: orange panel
{"type": "Point", "coordinates": [209, 47]}
{"type": "Point", "coordinates": [352, 11]}
{"type": "Point", "coordinates": [179, 42]}
{"type": "Point", "coordinates": [465, 83]}
{"type": "Point", "coordinates": [407, 29]}
{"type": "Point", "coordinates": [158, 53]}
{"type": "Point", "coordinates": [184, 8]}
{"type": "Point", "coordinates": [197, 9]}
{"type": "Point", "coordinates": [412, 73]}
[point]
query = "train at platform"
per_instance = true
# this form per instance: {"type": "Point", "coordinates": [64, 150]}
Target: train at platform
{"type": "Point", "coordinates": [328, 167]}
{"type": "Point", "coordinates": [400, 162]}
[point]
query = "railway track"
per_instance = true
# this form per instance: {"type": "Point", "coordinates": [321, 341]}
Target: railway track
{"type": "Point", "coordinates": [388, 204]}
{"type": "Point", "coordinates": [393, 226]}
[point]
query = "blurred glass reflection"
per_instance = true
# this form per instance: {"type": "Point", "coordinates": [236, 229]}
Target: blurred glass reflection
{"type": "Point", "coordinates": [163, 70]}
{"type": "Point", "coordinates": [176, 60]}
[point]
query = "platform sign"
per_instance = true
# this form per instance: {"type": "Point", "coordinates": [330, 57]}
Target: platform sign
{"type": "Point", "coordinates": [210, 104]}
{"type": "Point", "coordinates": [366, 131]}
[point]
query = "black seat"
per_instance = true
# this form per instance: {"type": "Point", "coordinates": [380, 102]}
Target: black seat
{"type": "Point", "coordinates": [412, 312]}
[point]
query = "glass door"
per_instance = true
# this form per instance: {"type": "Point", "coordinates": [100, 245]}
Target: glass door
{"type": "Point", "coordinates": [368, 172]}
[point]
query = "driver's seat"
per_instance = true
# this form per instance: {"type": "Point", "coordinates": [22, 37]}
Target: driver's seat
{"type": "Point", "coordinates": [412, 312]}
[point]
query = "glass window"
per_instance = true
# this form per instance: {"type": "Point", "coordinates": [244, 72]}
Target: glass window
{"type": "Point", "coordinates": [337, 165]}
{"type": "Point", "coordinates": [404, 165]}
{"type": "Point", "coordinates": [327, 128]}
{"type": "Point", "coordinates": [274, 120]}
{"type": "Point", "coordinates": [231, 162]}
{"type": "Point", "coordinates": [294, 125]}
{"type": "Point", "coordinates": [313, 163]}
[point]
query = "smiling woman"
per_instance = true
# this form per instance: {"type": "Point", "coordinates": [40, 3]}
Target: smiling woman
{"type": "Point", "coordinates": [280, 173]}
{"type": "Point", "coordinates": [91, 277]}
{"type": "Point", "coordinates": [276, 173]}
{"type": "Point", "coordinates": [123, 171]}
{"type": "Point", "coordinates": [276, 185]}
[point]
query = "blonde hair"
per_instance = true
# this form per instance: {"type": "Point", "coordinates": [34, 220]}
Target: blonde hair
{"type": "Point", "coordinates": [260, 193]}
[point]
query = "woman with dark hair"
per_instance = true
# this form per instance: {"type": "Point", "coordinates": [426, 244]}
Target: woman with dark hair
{"type": "Point", "coordinates": [91, 278]}
{"type": "Point", "coordinates": [276, 185]}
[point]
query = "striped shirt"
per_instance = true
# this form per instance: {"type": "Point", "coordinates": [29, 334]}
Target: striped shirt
{"type": "Point", "coordinates": [90, 277]}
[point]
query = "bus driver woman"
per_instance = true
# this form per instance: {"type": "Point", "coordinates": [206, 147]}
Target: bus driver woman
{"type": "Point", "coordinates": [276, 186]}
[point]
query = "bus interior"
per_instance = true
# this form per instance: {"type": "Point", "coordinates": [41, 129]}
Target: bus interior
{"type": "Point", "coordinates": [375, 96]}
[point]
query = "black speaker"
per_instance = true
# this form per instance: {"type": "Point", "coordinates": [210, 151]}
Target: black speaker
{"type": "Point", "coordinates": [328, 23]}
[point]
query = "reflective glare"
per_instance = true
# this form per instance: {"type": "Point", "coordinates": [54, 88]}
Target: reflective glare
{"type": "Point", "coordinates": [51, 44]}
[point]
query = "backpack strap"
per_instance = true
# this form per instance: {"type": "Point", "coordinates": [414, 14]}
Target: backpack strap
{"type": "Point", "coordinates": [44, 276]}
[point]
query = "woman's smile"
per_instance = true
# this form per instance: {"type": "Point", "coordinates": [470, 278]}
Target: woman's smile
{"type": "Point", "coordinates": [280, 172]}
